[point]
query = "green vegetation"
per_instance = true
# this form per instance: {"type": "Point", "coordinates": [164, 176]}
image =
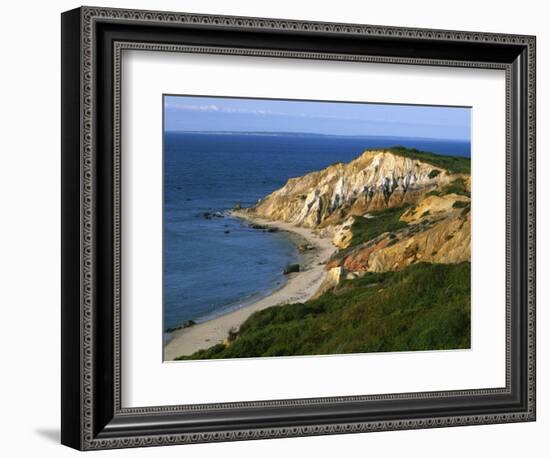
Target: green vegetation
{"type": "Point", "coordinates": [457, 186]}
{"type": "Point", "coordinates": [434, 173]}
{"type": "Point", "coordinates": [460, 204]}
{"type": "Point", "coordinates": [454, 164]}
{"type": "Point", "coordinates": [387, 220]}
{"type": "Point", "coordinates": [423, 307]}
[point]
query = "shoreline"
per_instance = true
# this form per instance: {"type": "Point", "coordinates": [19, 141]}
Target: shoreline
{"type": "Point", "coordinates": [299, 287]}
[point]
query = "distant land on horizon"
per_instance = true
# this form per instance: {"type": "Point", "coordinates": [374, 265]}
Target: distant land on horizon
{"type": "Point", "coordinates": [307, 134]}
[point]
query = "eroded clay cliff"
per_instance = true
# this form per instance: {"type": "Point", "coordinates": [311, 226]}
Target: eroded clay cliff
{"type": "Point", "coordinates": [433, 203]}
{"type": "Point", "coordinates": [375, 180]}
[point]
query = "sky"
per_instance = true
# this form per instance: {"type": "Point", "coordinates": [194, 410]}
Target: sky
{"type": "Point", "coordinates": [215, 114]}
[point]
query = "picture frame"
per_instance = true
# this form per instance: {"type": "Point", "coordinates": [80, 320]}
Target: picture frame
{"type": "Point", "coordinates": [93, 416]}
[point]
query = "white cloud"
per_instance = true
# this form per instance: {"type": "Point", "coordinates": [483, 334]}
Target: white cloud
{"type": "Point", "coordinates": [181, 106]}
{"type": "Point", "coordinates": [174, 104]}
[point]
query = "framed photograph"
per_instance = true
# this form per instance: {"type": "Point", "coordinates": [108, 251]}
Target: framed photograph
{"type": "Point", "coordinates": [276, 228]}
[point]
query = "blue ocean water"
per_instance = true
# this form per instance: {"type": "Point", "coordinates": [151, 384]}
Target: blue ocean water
{"type": "Point", "coordinates": [213, 264]}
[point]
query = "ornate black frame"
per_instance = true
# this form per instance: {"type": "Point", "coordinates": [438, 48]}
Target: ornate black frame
{"type": "Point", "coordinates": [92, 42]}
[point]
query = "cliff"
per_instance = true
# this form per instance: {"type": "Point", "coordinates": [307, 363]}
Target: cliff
{"type": "Point", "coordinates": [375, 180]}
{"type": "Point", "coordinates": [385, 210]}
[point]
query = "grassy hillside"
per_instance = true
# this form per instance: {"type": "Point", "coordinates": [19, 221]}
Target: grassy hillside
{"type": "Point", "coordinates": [387, 220]}
{"type": "Point", "coordinates": [454, 164]}
{"type": "Point", "coordinates": [424, 307]}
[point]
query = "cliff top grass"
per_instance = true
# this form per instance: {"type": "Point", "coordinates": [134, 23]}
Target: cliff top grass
{"type": "Point", "coordinates": [423, 307]}
{"type": "Point", "coordinates": [454, 164]}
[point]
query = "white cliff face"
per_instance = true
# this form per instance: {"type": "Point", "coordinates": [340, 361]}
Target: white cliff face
{"type": "Point", "coordinates": [373, 181]}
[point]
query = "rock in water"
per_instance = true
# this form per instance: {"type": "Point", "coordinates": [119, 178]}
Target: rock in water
{"type": "Point", "coordinates": [291, 268]}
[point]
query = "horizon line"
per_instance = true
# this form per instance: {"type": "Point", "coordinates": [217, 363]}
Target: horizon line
{"type": "Point", "coordinates": [245, 132]}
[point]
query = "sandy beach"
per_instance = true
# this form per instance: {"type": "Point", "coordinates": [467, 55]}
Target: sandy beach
{"type": "Point", "coordinates": [300, 287]}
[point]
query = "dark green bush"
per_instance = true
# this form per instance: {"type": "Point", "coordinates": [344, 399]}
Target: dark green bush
{"type": "Point", "coordinates": [461, 204]}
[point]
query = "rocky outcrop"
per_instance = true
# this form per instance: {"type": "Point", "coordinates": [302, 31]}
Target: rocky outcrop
{"type": "Point", "coordinates": [343, 233]}
{"type": "Point", "coordinates": [441, 236]}
{"type": "Point", "coordinates": [433, 206]}
{"type": "Point", "coordinates": [375, 180]}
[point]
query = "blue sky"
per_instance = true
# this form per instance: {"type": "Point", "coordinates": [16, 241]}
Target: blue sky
{"type": "Point", "coordinates": [207, 114]}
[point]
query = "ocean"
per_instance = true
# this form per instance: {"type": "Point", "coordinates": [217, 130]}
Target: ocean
{"type": "Point", "coordinates": [214, 263]}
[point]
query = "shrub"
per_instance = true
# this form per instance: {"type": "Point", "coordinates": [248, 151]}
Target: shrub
{"type": "Point", "coordinates": [461, 204]}
{"type": "Point", "coordinates": [457, 186]}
